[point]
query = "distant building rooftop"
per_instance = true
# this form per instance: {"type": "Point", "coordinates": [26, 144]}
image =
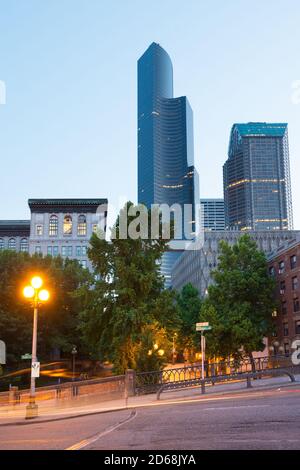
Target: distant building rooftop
{"type": "Point", "coordinates": [60, 205]}
{"type": "Point", "coordinates": [262, 129]}
{"type": "Point", "coordinates": [11, 228]}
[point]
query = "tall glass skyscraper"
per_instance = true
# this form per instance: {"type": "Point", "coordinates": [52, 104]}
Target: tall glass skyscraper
{"type": "Point", "coordinates": [166, 173]}
{"type": "Point", "coordinates": [257, 186]}
{"type": "Point", "coordinates": [213, 215]}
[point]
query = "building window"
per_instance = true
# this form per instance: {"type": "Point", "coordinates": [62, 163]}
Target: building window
{"type": "Point", "coordinates": [286, 349]}
{"type": "Point", "coordinates": [67, 225]}
{"type": "Point", "coordinates": [12, 244]}
{"type": "Point", "coordinates": [272, 271]}
{"type": "Point", "coordinates": [295, 283]}
{"type": "Point", "coordinates": [297, 327]}
{"type": "Point", "coordinates": [49, 251]}
{"type": "Point", "coordinates": [281, 267]}
{"type": "Point", "coordinates": [53, 226]}
{"type": "Point", "coordinates": [81, 231]}
{"type": "Point", "coordinates": [284, 308]}
{"type": "Point", "coordinates": [81, 251]}
{"type": "Point", "coordinates": [1, 244]}
{"type": "Point", "coordinates": [83, 264]}
{"type": "Point", "coordinates": [282, 287]}
{"type": "Point", "coordinates": [293, 260]}
{"type": "Point", "coordinates": [285, 329]}
{"type": "Point", "coordinates": [38, 249]}
{"type": "Point", "coordinates": [39, 230]}
{"type": "Point", "coordinates": [55, 251]}
{"type": "Point", "coordinates": [67, 251]}
{"type": "Point", "coordinates": [24, 245]}
{"type": "Point", "coordinates": [296, 305]}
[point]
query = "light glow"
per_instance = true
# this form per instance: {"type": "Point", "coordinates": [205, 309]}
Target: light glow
{"type": "Point", "coordinates": [37, 282]}
{"type": "Point", "coordinates": [43, 295]}
{"type": "Point", "coordinates": [28, 292]}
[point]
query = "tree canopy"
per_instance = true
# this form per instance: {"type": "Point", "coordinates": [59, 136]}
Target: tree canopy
{"type": "Point", "coordinates": [240, 302]}
{"type": "Point", "coordinates": [128, 308]}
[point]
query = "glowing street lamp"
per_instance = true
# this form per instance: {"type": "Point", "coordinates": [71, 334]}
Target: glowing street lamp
{"type": "Point", "coordinates": [37, 296]}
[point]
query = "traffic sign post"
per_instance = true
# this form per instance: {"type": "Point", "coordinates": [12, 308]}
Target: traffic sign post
{"type": "Point", "coordinates": [2, 352]}
{"type": "Point", "coordinates": [204, 326]}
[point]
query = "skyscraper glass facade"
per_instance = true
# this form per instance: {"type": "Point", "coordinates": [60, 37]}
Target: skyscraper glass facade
{"type": "Point", "coordinates": [213, 215]}
{"type": "Point", "coordinates": [257, 187]}
{"type": "Point", "coordinates": [166, 173]}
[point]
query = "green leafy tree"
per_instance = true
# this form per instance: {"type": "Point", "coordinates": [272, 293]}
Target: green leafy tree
{"type": "Point", "coordinates": [58, 319]}
{"type": "Point", "coordinates": [129, 296]}
{"type": "Point", "coordinates": [240, 302]}
{"type": "Point", "coordinates": [189, 306]}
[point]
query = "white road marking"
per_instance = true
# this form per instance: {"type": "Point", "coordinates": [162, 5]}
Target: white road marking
{"type": "Point", "coordinates": [234, 407]}
{"type": "Point", "coordinates": [91, 440]}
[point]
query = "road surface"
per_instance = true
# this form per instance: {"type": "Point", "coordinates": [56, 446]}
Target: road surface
{"type": "Point", "coordinates": [256, 420]}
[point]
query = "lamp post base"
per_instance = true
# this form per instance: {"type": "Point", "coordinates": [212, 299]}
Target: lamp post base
{"type": "Point", "coordinates": [31, 411]}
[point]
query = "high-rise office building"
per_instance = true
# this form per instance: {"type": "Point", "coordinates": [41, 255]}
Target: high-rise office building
{"type": "Point", "coordinates": [213, 215]}
{"type": "Point", "coordinates": [257, 187]}
{"type": "Point", "coordinates": [166, 173]}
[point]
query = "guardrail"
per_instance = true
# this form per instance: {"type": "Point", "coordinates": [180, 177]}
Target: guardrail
{"type": "Point", "coordinates": [170, 386]}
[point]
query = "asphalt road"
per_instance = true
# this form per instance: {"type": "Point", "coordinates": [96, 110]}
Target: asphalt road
{"type": "Point", "coordinates": [260, 420]}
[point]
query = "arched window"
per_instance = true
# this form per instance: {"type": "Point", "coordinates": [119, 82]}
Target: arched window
{"type": "Point", "coordinates": [1, 244]}
{"type": "Point", "coordinates": [53, 226]}
{"type": "Point", "coordinates": [24, 244]}
{"type": "Point", "coordinates": [67, 225]}
{"type": "Point", "coordinates": [81, 229]}
{"type": "Point", "coordinates": [12, 244]}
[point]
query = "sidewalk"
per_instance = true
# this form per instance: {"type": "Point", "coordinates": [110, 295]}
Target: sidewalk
{"type": "Point", "coordinates": [81, 406]}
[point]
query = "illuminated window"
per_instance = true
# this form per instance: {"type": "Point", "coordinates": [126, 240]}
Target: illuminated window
{"type": "Point", "coordinates": [81, 230]}
{"type": "Point", "coordinates": [12, 244]}
{"type": "Point", "coordinates": [39, 230]}
{"type": "Point", "coordinates": [53, 226]}
{"type": "Point", "coordinates": [24, 245]}
{"type": "Point", "coordinates": [68, 225]}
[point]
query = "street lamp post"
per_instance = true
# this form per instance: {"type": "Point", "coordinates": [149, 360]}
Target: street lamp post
{"type": "Point", "coordinates": [37, 296]}
{"type": "Point", "coordinates": [74, 352]}
{"type": "Point", "coordinates": [174, 350]}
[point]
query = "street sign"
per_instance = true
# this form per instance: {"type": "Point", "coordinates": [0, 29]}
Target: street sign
{"type": "Point", "coordinates": [26, 356]}
{"type": "Point", "coordinates": [2, 352]}
{"type": "Point", "coordinates": [35, 369]}
{"type": "Point", "coordinates": [204, 326]}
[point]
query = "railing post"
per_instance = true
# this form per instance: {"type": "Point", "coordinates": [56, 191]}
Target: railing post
{"type": "Point", "coordinates": [13, 395]}
{"type": "Point", "coordinates": [249, 385]}
{"type": "Point", "coordinates": [203, 387]}
{"type": "Point", "coordinates": [130, 378]}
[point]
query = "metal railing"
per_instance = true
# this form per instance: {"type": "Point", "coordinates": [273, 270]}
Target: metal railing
{"type": "Point", "coordinates": [150, 382]}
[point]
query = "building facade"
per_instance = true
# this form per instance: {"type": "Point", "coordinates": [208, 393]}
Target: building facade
{"type": "Point", "coordinates": [166, 172]}
{"type": "Point", "coordinates": [64, 226]}
{"type": "Point", "coordinates": [284, 265]}
{"type": "Point", "coordinates": [196, 266]}
{"type": "Point", "coordinates": [257, 186]}
{"type": "Point", "coordinates": [58, 227]}
{"type": "Point", "coordinates": [14, 235]}
{"type": "Point", "coordinates": [213, 214]}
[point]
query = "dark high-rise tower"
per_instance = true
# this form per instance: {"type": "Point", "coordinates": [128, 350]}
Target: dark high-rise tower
{"type": "Point", "coordinates": [166, 173]}
{"type": "Point", "coordinates": [257, 187]}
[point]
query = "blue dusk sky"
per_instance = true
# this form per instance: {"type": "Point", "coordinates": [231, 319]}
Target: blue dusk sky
{"type": "Point", "coordinates": [68, 128]}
